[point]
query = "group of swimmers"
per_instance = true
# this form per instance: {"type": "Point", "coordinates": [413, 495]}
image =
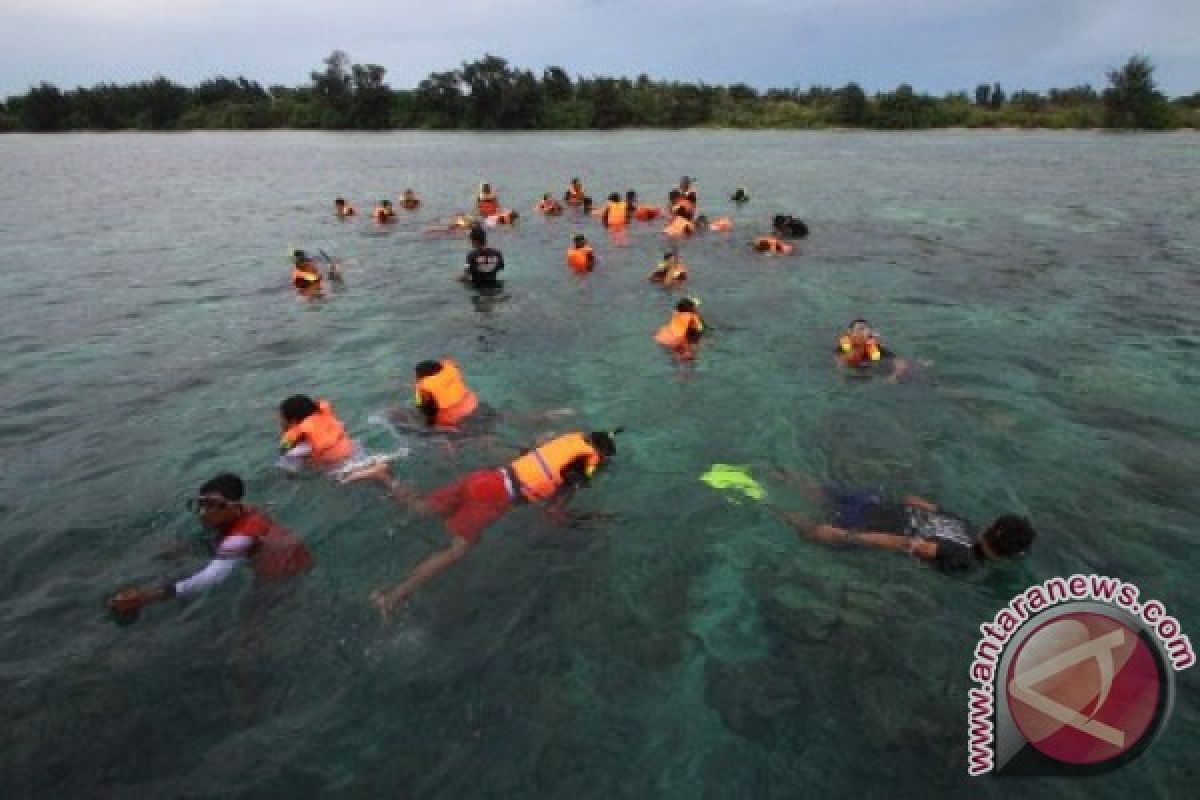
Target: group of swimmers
{"type": "Point", "coordinates": [313, 437]}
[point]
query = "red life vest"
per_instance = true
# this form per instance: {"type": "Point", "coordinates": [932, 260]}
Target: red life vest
{"type": "Point", "coordinates": [276, 552]}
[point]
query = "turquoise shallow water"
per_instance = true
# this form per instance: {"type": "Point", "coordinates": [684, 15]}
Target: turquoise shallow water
{"type": "Point", "coordinates": [685, 647]}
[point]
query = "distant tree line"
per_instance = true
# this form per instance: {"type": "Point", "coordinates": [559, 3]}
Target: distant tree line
{"type": "Point", "coordinates": [489, 94]}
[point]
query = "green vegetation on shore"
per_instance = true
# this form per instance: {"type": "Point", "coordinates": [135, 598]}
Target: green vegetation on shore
{"type": "Point", "coordinates": [488, 94]}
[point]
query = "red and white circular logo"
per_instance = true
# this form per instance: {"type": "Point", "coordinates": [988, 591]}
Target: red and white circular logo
{"type": "Point", "coordinates": [1084, 688]}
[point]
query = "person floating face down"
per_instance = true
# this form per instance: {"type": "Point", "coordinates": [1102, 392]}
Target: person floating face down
{"type": "Point", "coordinates": [441, 394]}
{"type": "Point", "coordinates": [670, 272]}
{"type": "Point", "coordinates": [314, 438]}
{"type": "Point", "coordinates": [683, 330]}
{"type": "Point", "coordinates": [549, 474]}
{"type": "Point", "coordinates": [859, 347]}
{"type": "Point", "coordinates": [483, 263]}
{"type": "Point", "coordinates": [409, 201]}
{"type": "Point", "coordinates": [384, 212]}
{"type": "Point", "coordinates": [912, 525]}
{"type": "Point", "coordinates": [244, 535]}
{"type": "Point", "coordinates": [342, 209]}
{"type": "Point", "coordinates": [548, 206]}
{"type": "Point", "coordinates": [581, 258]}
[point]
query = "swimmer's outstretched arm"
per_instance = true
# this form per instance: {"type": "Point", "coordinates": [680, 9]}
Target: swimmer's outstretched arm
{"type": "Point", "coordinates": [877, 540]}
{"type": "Point", "coordinates": [386, 600]}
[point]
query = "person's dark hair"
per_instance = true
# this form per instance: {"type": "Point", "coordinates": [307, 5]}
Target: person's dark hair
{"type": "Point", "coordinates": [226, 485]}
{"type": "Point", "coordinates": [514, 216]}
{"type": "Point", "coordinates": [686, 304]}
{"type": "Point", "coordinates": [587, 202]}
{"type": "Point", "coordinates": [859, 321]}
{"type": "Point", "coordinates": [603, 442]}
{"type": "Point", "coordinates": [674, 195]}
{"type": "Point", "coordinates": [478, 235]}
{"type": "Point", "coordinates": [427, 368]}
{"type": "Point", "coordinates": [1009, 535]}
{"type": "Point", "coordinates": [780, 220]}
{"type": "Point", "coordinates": [300, 256]}
{"type": "Point", "coordinates": [580, 238]}
{"type": "Point", "coordinates": [340, 201]}
{"type": "Point", "coordinates": [630, 194]}
{"type": "Point", "coordinates": [297, 407]}
{"type": "Point", "coordinates": [613, 197]}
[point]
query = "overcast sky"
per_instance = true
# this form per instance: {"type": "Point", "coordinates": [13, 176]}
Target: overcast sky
{"type": "Point", "coordinates": [936, 45]}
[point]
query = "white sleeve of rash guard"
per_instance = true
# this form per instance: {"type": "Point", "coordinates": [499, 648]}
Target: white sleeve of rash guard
{"type": "Point", "coordinates": [232, 552]}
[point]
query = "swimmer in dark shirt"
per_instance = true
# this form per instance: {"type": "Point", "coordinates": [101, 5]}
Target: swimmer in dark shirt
{"type": "Point", "coordinates": [912, 525]}
{"type": "Point", "coordinates": [483, 262]}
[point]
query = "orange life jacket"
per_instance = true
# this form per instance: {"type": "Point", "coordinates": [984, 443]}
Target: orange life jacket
{"type": "Point", "coordinates": [306, 275]}
{"type": "Point", "coordinates": [678, 226]}
{"type": "Point", "coordinates": [721, 224]}
{"type": "Point", "coordinates": [647, 213]}
{"type": "Point", "coordinates": [381, 214]}
{"type": "Point", "coordinates": [856, 356]}
{"type": "Point", "coordinates": [276, 553]}
{"type": "Point", "coordinates": [324, 434]}
{"type": "Point", "coordinates": [773, 245]}
{"type": "Point", "coordinates": [675, 333]}
{"type": "Point", "coordinates": [616, 214]}
{"type": "Point", "coordinates": [580, 259]}
{"type": "Point", "coordinates": [573, 196]}
{"type": "Point", "coordinates": [449, 393]}
{"type": "Point", "coordinates": [539, 472]}
{"type": "Point", "coordinates": [488, 204]}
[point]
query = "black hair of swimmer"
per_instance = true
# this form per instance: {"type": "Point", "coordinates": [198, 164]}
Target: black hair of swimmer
{"type": "Point", "coordinates": [478, 235]}
{"type": "Point", "coordinates": [630, 195]}
{"type": "Point", "coordinates": [674, 195]}
{"type": "Point", "coordinates": [427, 368]}
{"type": "Point", "coordinates": [300, 256]}
{"type": "Point", "coordinates": [514, 216]}
{"type": "Point", "coordinates": [739, 195]}
{"type": "Point", "coordinates": [603, 442]}
{"type": "Point", "coordinates": [1009, 535]}
{"type": "Point", "coordinates": [587, 202]}
{"type": "Point", "coordinates": [686, 304]}
{"type": "Point", "coordinates": [339, 201]}
{"type": "Point", "coordinates": [227, 485]}
{"type": "Point", "coordinates": [613, 197]}
{"type": "Point", "coordinates": [580, 239]}
{"type": "Point", "coordinates": [297, 408]}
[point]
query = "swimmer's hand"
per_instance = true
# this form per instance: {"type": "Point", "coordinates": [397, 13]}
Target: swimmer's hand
{"type": "Point", "coordinates": [127, 603]}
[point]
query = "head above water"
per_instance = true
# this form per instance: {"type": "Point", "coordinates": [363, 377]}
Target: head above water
{"type": "Point", "coordinates": [604, 441]}
{"type": "Point", "coordinates": [485, 188]}
{"type": "Point", "coordinates": [219, 500]}
{"type": "Point", "coordinates": [299, 256]}
{"type": "Point", "coordinates": [1009, 536]}
{"type": "Point", "coordinates": [613, 197]}
{"type": "Point", "coordinates": [339, 201]}
{"type": "Point", "coordinates": [686, 305]}
{"type": "Point", "coordinates": [297, 408]}
{"type": "Point", "coordinates": [478, 236]}
{"type": "Point", "coordinates": [579, 239]}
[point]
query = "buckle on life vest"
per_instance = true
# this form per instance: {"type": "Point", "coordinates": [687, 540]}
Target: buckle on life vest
{"type": "Point", "coordinates": [510, 485]}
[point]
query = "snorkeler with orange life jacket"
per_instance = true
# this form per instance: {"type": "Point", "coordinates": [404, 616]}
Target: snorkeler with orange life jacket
{"type": "Point", "coordinates": [548, 473]}
{"type": "Point", "coordinates": [671, 271]}
{"type": "Point", "coordinates": [861, 348]}
{"type": "Point", "coordinates": [314, 438]}
{"type": "Point", "coordinates": [683, 330]}
{"type": "Point", "coordinates": [580, 256]}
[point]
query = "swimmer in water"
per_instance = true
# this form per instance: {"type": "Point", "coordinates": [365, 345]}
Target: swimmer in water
{"type": "Point", "coordinates": [580, 256]}
{"type": "Point", "coordinates": [342, 209]}
{"type": "Point", "coordinates": [670, 272]}
{"type": "Point", "coordinates": [862, 349]}
{"type": "Point", "coordinates": [244, 535]}
{"type": "Point", "coordinates": [384, 212]}
{"type": "Point", "coordinates": [314, 438]}
{"type": "Point", "coordinates": [683, 330]}
{"type": "Point", "coordinates": [483, 263]}
{"type": "Point", "coordinates": [549, 473]}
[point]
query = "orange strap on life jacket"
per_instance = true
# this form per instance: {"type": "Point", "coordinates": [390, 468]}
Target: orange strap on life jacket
{"type": "Point", "coordinates": [539, 472]}
{"type": "Point", "coordinates": [449, 393]}
{"type": "Point", "coordinates": [324, 433]}
{"type": "Point", "coordinates": [580, 258]}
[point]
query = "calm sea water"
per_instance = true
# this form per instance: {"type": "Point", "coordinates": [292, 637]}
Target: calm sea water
{"type": "Point", "coordinates": [683, 646]}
